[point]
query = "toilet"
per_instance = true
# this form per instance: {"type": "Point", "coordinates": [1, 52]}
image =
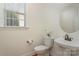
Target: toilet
{"type": "Point", "coordinates": [45, 48]}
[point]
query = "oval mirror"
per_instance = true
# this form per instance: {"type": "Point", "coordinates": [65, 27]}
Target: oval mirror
{"type": "Point", "coordinates": [69, 19]}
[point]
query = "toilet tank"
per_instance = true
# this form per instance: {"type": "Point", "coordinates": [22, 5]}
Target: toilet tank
{"type": "Point", "coordinates": [48, 41]}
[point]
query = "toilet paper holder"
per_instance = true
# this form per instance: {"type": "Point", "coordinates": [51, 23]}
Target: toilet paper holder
{"type": "Point", "coordinates": [29, 41]}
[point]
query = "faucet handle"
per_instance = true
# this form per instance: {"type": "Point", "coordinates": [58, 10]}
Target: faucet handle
{"type": "Point", "coordinates": [72, 38]}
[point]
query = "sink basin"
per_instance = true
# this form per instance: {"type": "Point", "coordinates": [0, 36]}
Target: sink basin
{"type": "Point", "coordinates": [70, 44]}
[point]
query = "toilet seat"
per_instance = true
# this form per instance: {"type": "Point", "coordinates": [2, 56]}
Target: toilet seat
{"type": "Point", "coordinates": [41, 48]}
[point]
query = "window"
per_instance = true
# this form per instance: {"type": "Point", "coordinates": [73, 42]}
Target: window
{"type": "Point", "coordinates": [14, 18]}
{"type": "Point", "coordinates": [14, 14]}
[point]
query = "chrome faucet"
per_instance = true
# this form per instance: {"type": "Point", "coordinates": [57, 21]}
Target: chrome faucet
{"type": "Point", "coordinates": [67, 37]}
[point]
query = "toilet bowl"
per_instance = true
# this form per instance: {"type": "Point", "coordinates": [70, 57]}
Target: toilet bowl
{"type": "Point", "coordinates": [42, 49]}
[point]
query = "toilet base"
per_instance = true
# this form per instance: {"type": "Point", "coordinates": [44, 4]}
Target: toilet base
{"type": "Point", "coordinates": [41, 53]}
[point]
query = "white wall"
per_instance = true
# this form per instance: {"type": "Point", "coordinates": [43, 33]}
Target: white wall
{"type": "Point", "coordinates": [52, 19]}
{"type": "Point", "coordinates": [13, 40]}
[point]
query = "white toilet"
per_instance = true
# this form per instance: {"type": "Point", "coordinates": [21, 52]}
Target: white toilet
{"type": "Point", "coordinates": [43, 49]}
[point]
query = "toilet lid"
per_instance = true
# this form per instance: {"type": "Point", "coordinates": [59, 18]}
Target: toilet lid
{"type": "Point", "coordinates": [40, 48]}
